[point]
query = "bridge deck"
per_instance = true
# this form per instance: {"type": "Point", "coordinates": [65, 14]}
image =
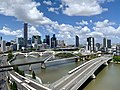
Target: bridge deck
{"type": "Point", "coordinates": [76, 79]}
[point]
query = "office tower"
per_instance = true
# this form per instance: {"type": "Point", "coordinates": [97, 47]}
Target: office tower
{"type": "Point", "coordinates": [30, 41]}
{"type": "Point", "coordinates": [3, 46]}
{"type": "Point", "coordinates": [117, 49]}
{"type": "Point", "coordinates": [97, 46]}
{"type": "Point", "coordinates": [108, 43]}
{"type": "Point", "coordinates": [105, 42]}
{"type": "Point", "coordinates": [90, 43]}
{"type": "Point", "coordinates": [20, 43]}
{"type": "Point", "coordinates": [25, 34]}
{"type": "Point", "coordinates": [0, 38]}
{"type": "Point", "coordinates": [47, 39]}
{"type": "Point", "coordinates": [53, 41]}
{"type": "Point", "coordinates": [36, 39]}
{"type": "Point", "coordinates": [60, 43]}
{"type": "Point", "coordinates": [76, 41]}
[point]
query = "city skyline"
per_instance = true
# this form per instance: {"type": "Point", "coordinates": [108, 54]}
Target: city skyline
{"type": "Point", "coordinates": [100, 19]}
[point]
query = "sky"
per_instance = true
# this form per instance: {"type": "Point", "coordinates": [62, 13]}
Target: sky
{"type": "Point", "coordinates": [64, 18]}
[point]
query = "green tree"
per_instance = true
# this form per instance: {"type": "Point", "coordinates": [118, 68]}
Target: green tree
{"type": "Point", "coordinates": [116, 59]}
{"type": "Point", "coordinates": [11, 86]}
{"type": "Point", "coordinates": [33, 75]}
{"type": "Point", "coordinates": [16, 68]}
{"type": "Point", "coordinates": [8, 79]}
{"type": "Point", "coordinates": [14, 86]}
{"type": "Point", "coordinates": [10, 55]}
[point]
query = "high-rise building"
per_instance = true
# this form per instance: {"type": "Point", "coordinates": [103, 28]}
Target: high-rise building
{"type": "Point", "coordinates": [60, 43]}
{"type": "Point", "coordinates": [25, 34]}
{"type": "Point", "coordinates": [36, 39]}
{"type": "Point", "coordinates": [76, 41]}
{"type": "Point", "coordinates": [117, 49]}
{"type": "Point", "coordinates": [20, 43]}
{"type": "Point", "coordinates": [109, 43]}
{"type": "Point", "coordinates": [90, 44]}
{"type": "Point", "coordinates": [0, 38]}
{"type": "Point", "coordinates": [104, 42]}
{"type": "Point", "coordinates": [97, 46]}
{"type": "Point", "coordinates": [53, 41]}
{"type": "Point", "coordinates": [30, 41]}
{"type": "Point", "coordinates": [3, 46]}
{"type": "Point", "coordinates": [47, 38]}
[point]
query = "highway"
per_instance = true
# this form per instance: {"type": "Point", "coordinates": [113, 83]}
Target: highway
{"type": "Point", "coordinates": [3, 79]}
{"type": "Point", "coordinates": [22, 82]}
{"type": "Point", "coordinates": [71, 80]}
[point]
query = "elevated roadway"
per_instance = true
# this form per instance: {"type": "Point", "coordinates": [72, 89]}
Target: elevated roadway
{"type": "Point", "coordinates": [77, 77]}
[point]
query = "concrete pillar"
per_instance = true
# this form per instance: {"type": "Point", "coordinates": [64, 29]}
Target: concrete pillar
{"type": "Point", "coordinates": [105, 63]}
{"type": "Point", "coordinates": [79, 59]}
{"type": "Point", "coordinates": [40, 54]}
{"type": "Point", "coordinates": [83, 58]}
{"type": "Point", "coordinates": [76, 60]}
{"type": "Point", "coordinates": [43, 66]}
{"type": "Point", "coordinates": [26, 55]}
{"type": "Point", "coordinates": [93, 76]}
{"type": "Point", "coordinates": [53, 56]}
{"type": "Point", "coordinates": [30, 68]}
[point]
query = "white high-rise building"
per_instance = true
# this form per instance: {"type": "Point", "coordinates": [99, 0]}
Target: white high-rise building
{"type": "Point", "coordinates": [3, 46]}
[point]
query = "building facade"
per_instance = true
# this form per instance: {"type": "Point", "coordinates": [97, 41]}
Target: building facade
{"type": "Point", "coordinates": [36, 39]}
{"type": "Point", "coordinates": [90, 44]}
{"type": "Point", "coordinates": [25, 34]}
{"type": "Point", "coordinates": [53, 42]}
{"type": "Point", "coordinates": [76, 41]}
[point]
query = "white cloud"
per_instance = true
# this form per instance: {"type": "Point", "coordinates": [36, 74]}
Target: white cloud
{"type": "Point", "coordinates": [19, 33]}
{"type": "Point", "coordinates": [47, 2]}
{"type": "Point", "coordinates": [33, 31]}
{"type": "Point", "coordinates": [82, 23]}
{"type": "Point", "coordinates": [7, 31]}
{"type": "Point", "coordinates": [96, 34]}
{"type": "Point", "coordinates": [103, 1]}
{"type": "Point", "coordinates": [51, 9]}
{"type": "Point", "coordinates": [82, 7]}
{"type": "Point", "coordinates": [24, 10]}
{"type": "Point", "coordinates": [106, 29]}
{"type": "Point", "coordinates": [104, 23]}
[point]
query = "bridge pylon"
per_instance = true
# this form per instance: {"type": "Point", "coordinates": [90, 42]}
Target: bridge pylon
{"type": "Point", "coordinates": [77, 59]}
{"type": "Point", "coordinates": [41, 54]}
{"type": "Point", "coordinates": [105, 63]}
{"type": "Point", "coordinates": [43, 66]}
{"type": "Point", "coordinates": [93, 76]}
{"type": "Point", "coordinates": [26, 55]}
{"type": "Point", "coordinates": [30, 67]}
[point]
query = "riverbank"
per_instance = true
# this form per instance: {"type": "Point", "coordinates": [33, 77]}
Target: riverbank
{"type": "Point", "coordinates": [107, 79]}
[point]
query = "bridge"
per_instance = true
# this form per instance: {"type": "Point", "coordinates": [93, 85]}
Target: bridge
{"type": "Point", "coordinates": [76, 77]}
{"type": "Point", "coordinates": [79, 75]}
{"type": "Point", "coordinates": [31, 53]}
{"type": "Point", "coordinates": [47, 60]}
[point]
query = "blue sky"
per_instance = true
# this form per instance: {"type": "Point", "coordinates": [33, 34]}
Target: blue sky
{"type": "Point", "coordinates": [65, 18]}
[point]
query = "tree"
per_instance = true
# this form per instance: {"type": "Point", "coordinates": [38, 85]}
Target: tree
{"type": "Point", "coordinates": [10, 55]}
{"type": "Point", "coordinates": [8, 80]}
{"type": "Point", "coordinates": [33, 75]}
{"type": "Point", "coordinates": [14, 86]}
{"type": "Point", "coordinates": [16, 68]}
{"type": "Point", "coordinates": [116, 59]}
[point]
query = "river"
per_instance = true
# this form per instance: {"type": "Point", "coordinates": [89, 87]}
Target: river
{"type": "Point", "coordinates": [52, 73]}
{"type": "Point", "coordinates": [106, 79]}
